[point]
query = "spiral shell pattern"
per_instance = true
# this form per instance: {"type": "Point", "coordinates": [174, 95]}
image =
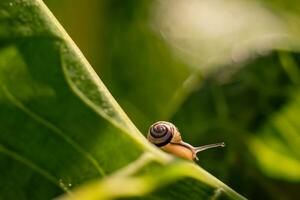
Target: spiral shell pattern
{"type": "Point", "coordinates": [161, 133]}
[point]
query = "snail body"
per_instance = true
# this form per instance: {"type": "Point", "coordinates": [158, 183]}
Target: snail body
{"type": "Point", "coordinates": [166, 136]}
{"type": "Point", "coordinates": [179, 151]}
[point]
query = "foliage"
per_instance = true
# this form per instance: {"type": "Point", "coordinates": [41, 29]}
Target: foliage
{"type": "Point", "coordinates": [60, 127]}
{"type": "Point", "coordinates": [220, 70]}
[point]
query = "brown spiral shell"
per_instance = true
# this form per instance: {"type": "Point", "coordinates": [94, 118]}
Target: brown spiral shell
{"type": "Point", "coordinates": [161, 133]}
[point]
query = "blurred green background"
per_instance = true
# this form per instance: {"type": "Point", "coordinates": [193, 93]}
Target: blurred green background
{"type": "Point", "coordinates": [220, 70]}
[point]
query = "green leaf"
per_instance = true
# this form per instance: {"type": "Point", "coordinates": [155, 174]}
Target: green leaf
{"type": "Point", "coordinates": [279, 141]}
{"type": "Point", "coordinates": [60, 126]}
{"type": "Point", "coordinates": [249, 48]}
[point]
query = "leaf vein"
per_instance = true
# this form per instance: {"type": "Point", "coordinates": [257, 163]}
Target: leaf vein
{"type": "Point", "coordinates": [54, 129]}
{"type": "Point", "coordinates": [17, 157]}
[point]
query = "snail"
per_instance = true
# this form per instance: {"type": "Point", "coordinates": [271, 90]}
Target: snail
{"type": "Point", "coordinates": [166, 136]}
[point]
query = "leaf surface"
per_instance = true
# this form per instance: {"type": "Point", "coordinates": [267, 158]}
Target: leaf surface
{"type": "Point", "coordinates": [60, 126]}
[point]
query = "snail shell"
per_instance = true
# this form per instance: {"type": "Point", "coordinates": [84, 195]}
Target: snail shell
{"type": "Point", "coordinates": [166, 136]}
{"type": "Point", "coordinates": [162, 133]}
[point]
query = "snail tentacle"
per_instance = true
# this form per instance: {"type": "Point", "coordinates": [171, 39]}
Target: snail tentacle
{"type": "Point", "coordinates": [209, 146]}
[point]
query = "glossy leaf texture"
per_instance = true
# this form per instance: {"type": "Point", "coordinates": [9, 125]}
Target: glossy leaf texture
{"type": "Point", "coordinates": [221, 70]}
{"type": "Point", "coordinates": [62, 132]}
